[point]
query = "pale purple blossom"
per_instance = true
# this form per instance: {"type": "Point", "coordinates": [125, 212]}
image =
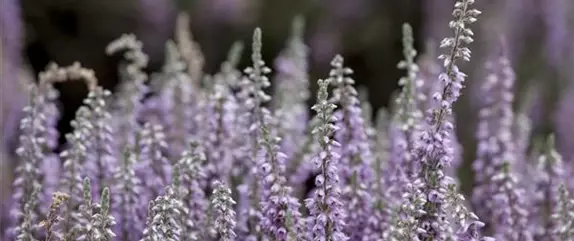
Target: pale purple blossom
{"type": "Point", "coordinates": [434, 150]}
{"type": "Point", "coordinates": [71, 180]}
{"type": "Point", "coordinates": [254, 116]}
{"type": "Point", "coordinates": [546, 196]}
{"type": "Point", "coordinates": [564, 216]}
{"type": "Point", "coordinates": [127, 203]}
{"type": "Point", "coordinates": [494, 132]}
{"type": "Point", "coordinates": [154, 166]}
{"type": "Point", "coordinates": [292, 91]}
{"type": "Point", "coordinates": [325, 206]}
{"type": "Point", "coordinates": [224, 215]}
{"type": "Point", "coordinates": [354, 149]}
{"type": "Point", "coordinates": [165, 215]}
{"type": "Point", "coordinates": [127, 104]}
{"type": "Point", "coordinates": [190, 169]}
{"type": "Point", "coordinates": [101, 152]}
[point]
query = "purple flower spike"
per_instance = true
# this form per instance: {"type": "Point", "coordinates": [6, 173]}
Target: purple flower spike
{"type": "Point", "coordinates": [229, 116]}
{"type": "Point", "coordinates": [495, 132]}
{"type": "Point", "coordinates": [564, 216]}
{"type": "Point", "coordinates": [356, 156]}
{"type": "Point", "coordinates": [190, 169]}
{"type": "Point", "coordinates": [550, 177]}
{"type": "Point", "coordinates": [219, 114]}
{"type": "Point", "coordinates": [408, 114]}
{"type": "Point", "coordinates": [26, 227]}
{"type": "Point", "coordinates": [497, 196]}
{"type": "Point", "coordinates": [127, 103]}
{"type": "Point", "coordinates": [102, 222]}
{"type": "Point", "coordinates": [175, 103]}
{"type": "Point", "coordinates": [97, 223]}
{"type": "Point", "coordinates": [166, 215]}
{"type": "Point", "coordinates": [254, 116]}
{"type": "Point", "coordinates": [224, 216]}
{"type": "Point", "coordinates": [27, 173]}
{"type": "Point", "coordinates": [509, 213]}
{"type": "Point", "coordinates": [325, 207]}
{"type": "Point", "coordinates": [71, 181]}
{"type": "Point", "coordinates": [280, 209]}
{"type": "Point", "coordinates": [101, 148]}
{"type": "Point", "coordinates": [292, 90]}
{"type": "Point", "coordinates": [154, 166]}
{"type": "Point", "coordinates": [434, 150]}
{"type": "Point", "coordinates": [127, 202]}
{"type": "Point", "coordinates": [379, 222]}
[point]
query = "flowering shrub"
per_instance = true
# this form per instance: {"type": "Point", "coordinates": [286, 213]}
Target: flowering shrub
{"type": "Point", "coordinates": [198, 157]}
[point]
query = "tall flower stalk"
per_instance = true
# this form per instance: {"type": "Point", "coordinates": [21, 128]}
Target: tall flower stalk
{"type": "Point", "coordinates": [71, 180]}
{"type": "Point", "coordinates": [126, 205]}
{"type": "Point", "coordinates": [355, 149]}
{"type": "Point", "coordinates": [154, 166]}
{"type": "Point", "coordinates": [224, 216]}
{"type": "Point", "coordinates": [26, 227]}
{"type": "Point", "coordinates": [219, 114]}
{"type": "Point", "coordinates": [494, 133]}
{"type": "Point", "coordinates": [408, 115]}
{"type": "Point", "coordinates": [433, 150]}
{"type": "Point", "coordinates": [38, 137]}
{"type": "Point", "coordinates": [101, 152]}
{"type": "Point", "coordinates": [164, 217]}
{"type": "Point", "coordinates": [28, 173]}
{"type": "Point", "coordinates": [96, 218]}
{"type": "Point", "coordinates": [509, 207]}
{"type": "Point", "coordinates": [325, 206]}
{"type": "Point", "coordinates": [190, 168]}
{"type": "Point", "coordinates": [383, 203]}
{"type": "Point", "coordinates": [497, 196]}
{"type": "Point", "coordinates": [292, 90]}
{"type": "Point", "coordinates": [254, 115]}
{"type": "Point", "coordinates": [174, 103]}
{"type": "Point", "coordinates": [547, 194]}
{"type": "Point", "coordinates": [564, 216]}
{"type": "Point", "coordinates": [278, 204]}
{"type": "Point", "coordinates": [127, 105]}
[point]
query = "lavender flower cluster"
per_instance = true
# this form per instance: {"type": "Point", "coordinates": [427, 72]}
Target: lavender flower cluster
{"type": "Point", "coordinates": [183, 155]}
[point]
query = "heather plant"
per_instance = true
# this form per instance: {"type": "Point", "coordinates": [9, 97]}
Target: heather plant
{"type": "Point", "coordinates": [126, 107]}
{"type": "Point", "coordinates": [100, 153]}
{"type": "Point", "coordinates": [354, 149]}
{"type": "Point", "coordinates": [292, 91]}
{"type": "Point", "coordinates": [189, 172]}
{"type": "Point", "coordinates": [175, 102]}
{"type": "Point", "coordinates": [25, 229]}
{"type": "Point", "coordinates": [97, 222]}
{"type": "Point", "coordinates": [408, 115]}
{"type": "Point", "coordinates": [125, 204]}
{"type": "Point", "coordinates": [224, 215]}
{"type": "Point", "coordinates": [434, 152]}
{"type": "Point", "coordinates": [166, 217]}
{"type": "Point", "coordinates": [184, 155]}
{"type": "Point", "coordinates": [327, 219]}
{"type": "Point", "coordinates": [496, 156]}
{"type": "Point", "coordinates": [563, 216]}
{"type": "Point", "coordinates": [549, 178]}
{"type": "Point", "coordinates": [218, 112]}
{"type": "Point", "coordinates": [155, 167]}
{"type": "Point", "coordinates": [379, 222]}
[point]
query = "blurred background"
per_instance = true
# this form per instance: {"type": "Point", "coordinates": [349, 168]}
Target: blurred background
{"type": "Point", "coordinates": [539, 37]}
